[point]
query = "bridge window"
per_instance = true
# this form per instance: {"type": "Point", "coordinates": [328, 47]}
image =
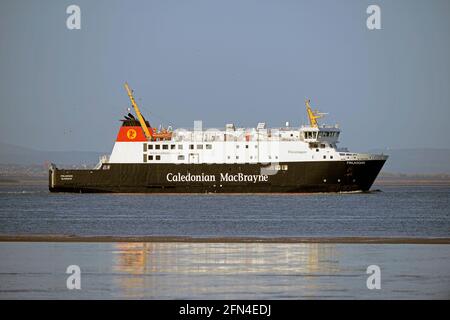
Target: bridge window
{"type": "Point", "coordinates": [150, 157]}
{"type": "Point", "coordinates": [191, 146]}
{"type": "Point", "coordinates": [209, 146]}
{"type": "Point", "coordinates": [150, 147]}
{"type": "Point", "coordinates": [199, 146]}
{"type": "Point", "coordinates": [172, 147]}
{"type": "Point", "coordinates": [310, 135]}
{"type": "Point", "coordinates": [157, 146]}
{"type": "Point", "coordinates": [180, 147]}
{"type": "Point", "coordinates": [181, 157]}
{"type": "Point", "coordinates": [165, 146]}
{"type": "Point", "coordinates": [158, 157]}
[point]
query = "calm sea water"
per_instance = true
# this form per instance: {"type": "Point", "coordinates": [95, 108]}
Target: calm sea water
{"type": "Point", "coordinates": [223, 271]}
{"type": "Point", "coordinates": [394, 211]}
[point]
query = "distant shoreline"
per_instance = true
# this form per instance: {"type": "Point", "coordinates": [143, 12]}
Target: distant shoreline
{"type": "Point", "coordinates": [398, 182]}
{"type": "Point", "coordinates": [179, 239]}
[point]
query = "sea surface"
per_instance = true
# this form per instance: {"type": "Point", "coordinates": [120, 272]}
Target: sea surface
{"type": "Point", "coordinates": [225, 270]}
{"type": "Point", "coordinates": [391, 212]}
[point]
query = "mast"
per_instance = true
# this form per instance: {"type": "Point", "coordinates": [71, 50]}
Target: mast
{"type": "Point", "coordinates": [313, 115]}
{"type": "Point", "coordinates": [147, 132]}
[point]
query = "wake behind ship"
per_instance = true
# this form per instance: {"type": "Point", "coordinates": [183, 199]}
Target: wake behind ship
{"type": "Point", "coordinates": [235, 160]}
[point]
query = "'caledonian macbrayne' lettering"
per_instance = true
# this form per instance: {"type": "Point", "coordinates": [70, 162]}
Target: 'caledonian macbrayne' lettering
{"type": "Point", "coordinates": [239, 177]}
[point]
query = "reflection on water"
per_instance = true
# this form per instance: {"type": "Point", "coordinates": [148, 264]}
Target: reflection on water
{"type": "Point", "coordinates": [140, 263]}
{"type": "Point", "coordinates": [223, 258]}
{"type": "Point", "coordinates": [223, 270]}
{"type": "Point", "coordinates": [131, 257]}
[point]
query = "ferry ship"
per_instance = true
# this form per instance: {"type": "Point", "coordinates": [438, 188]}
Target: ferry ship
{"type": "Point", "coordinates": [289, 159]}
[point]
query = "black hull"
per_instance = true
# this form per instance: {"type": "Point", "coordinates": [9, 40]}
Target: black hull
{"type": "Point", "coordinates": [298, 177]}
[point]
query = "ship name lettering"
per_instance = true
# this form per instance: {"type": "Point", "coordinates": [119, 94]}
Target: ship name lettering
{"type": "Point", "coordinates": [240, 177]}
{"type": "Point", "coordinates": [227, 177]}
{"type": "Point", "coordinates": [190, 177]}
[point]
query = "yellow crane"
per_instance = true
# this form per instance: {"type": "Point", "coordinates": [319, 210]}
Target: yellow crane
{"type": "Point", "coordinates": [313, 115]}
{"type": "Point", "coordinates": [150, 133]}
{"type": "Point", "coordinates": [147, 132]}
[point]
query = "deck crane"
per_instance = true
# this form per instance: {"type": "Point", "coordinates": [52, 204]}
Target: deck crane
{"type": "Point", "coordinates": [150, 133]}
{"type": "Point", "coordinates": [313, 115]}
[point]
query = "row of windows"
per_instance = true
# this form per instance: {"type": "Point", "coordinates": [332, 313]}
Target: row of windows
{"type": "Point", "coordinates": [310, 135]}
{"type": "Point", "coordinates": [313, 135]}
{"type": "Point", "coordinates": [181, 157]}
{"type": "Point", "coordinates": [158, 157]}
{"type": "Point", "coordinates": [180, 147]}
{"type": "Point", "coordinates": [173, 147]}
{"type": "Point", "coordinates": [322, 146]}
{"type": "Point", "coordinates": [328, 134]}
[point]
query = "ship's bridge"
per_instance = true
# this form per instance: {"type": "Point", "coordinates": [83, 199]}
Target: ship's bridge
{"type": "Point", "coordinates": [319, 134]}
{"type": "Point", "coordinates": [315, 134]}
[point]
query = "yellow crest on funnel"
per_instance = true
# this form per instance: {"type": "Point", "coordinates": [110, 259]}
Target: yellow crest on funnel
{"type": "Point", "coordinates": [131, 134]}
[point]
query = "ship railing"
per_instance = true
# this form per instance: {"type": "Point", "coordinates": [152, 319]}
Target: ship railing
{"type": "Point", "coordinates": [361, 156]}
{"type": "Point", "coordinates": [102, 160]}
{"type": "Point", "coordinates": [322, 126]}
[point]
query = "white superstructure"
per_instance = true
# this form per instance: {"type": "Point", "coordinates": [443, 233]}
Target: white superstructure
{"type": "Point", "coordinates": [240, 145]}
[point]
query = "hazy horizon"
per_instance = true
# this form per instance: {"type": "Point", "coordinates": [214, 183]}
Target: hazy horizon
{"type": "Point", "coordinates": [221, 62]}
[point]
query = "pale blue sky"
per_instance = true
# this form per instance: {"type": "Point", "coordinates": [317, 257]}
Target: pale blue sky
{"type": "Point", "coordinates": [242, 61]}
